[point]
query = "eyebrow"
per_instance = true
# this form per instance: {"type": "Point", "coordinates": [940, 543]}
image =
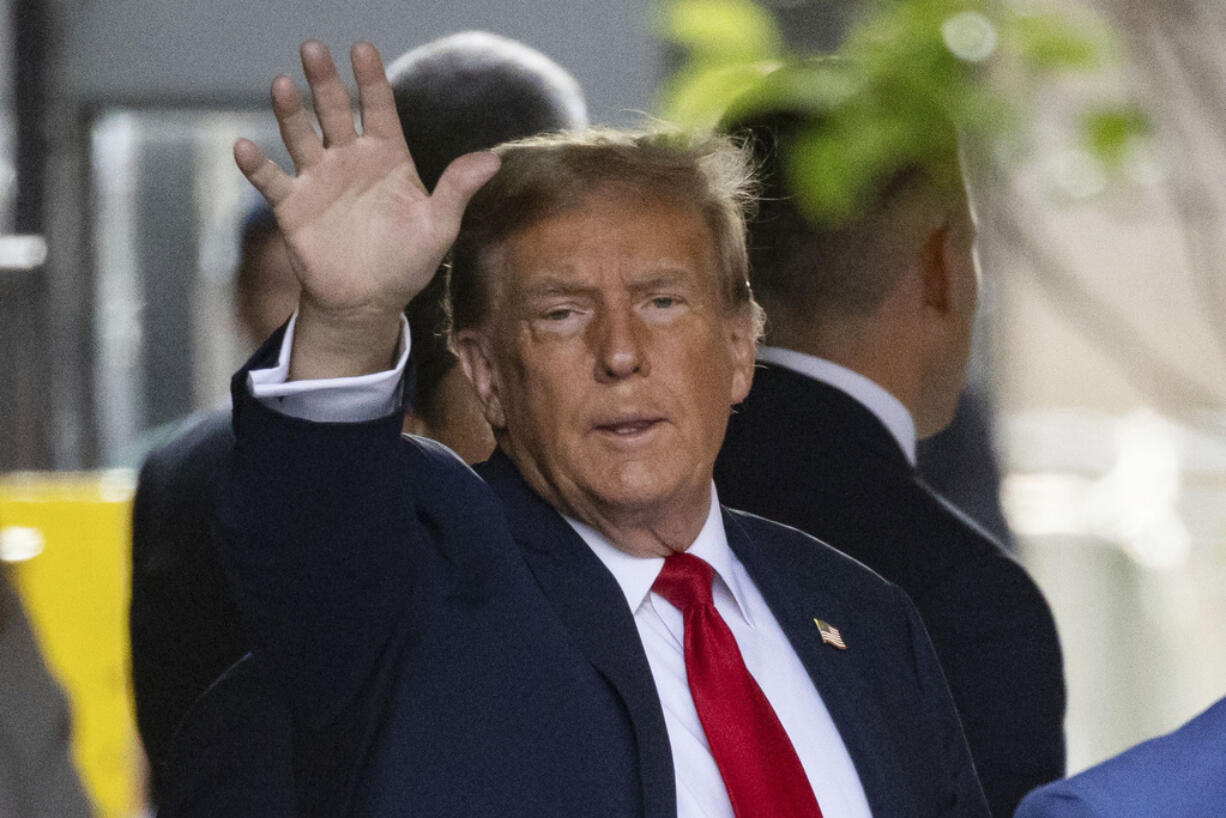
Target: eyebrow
{"type": "Point", "coordinates": [662, 277]}
{"type": "Point", "coordinates": [548, 285]}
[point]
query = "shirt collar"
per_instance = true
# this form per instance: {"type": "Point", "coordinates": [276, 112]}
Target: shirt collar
{"type": "Point", "coordinates": [635, 575]}
{"type": "Point", "coordinates": [884, 406]}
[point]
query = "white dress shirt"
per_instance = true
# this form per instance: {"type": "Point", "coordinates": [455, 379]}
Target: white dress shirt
{"type": "Point", "coordinates": [767, 653]}
{"type": "Point", "coordinates": [884, 406]}
{"type": "Point", "coordinates": [768, 656]}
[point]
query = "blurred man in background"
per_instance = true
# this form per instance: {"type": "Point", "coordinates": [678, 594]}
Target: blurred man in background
{"type": "Point", "coordinates": [265, 290]}
{"type": "Point", "coordinates": [457, 94]}
{"type": "Point", "coordinates": [869, 323]}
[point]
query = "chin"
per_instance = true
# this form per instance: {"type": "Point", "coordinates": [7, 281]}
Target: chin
{"type": "Point", "coordinates": [635, 485]}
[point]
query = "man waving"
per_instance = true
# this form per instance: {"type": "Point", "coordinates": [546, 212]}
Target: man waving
{"type": "Point", "coordinates": [578, 628]}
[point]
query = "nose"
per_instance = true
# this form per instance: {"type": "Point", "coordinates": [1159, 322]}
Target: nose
{"type": "Point", "coordinates": [620, 345]}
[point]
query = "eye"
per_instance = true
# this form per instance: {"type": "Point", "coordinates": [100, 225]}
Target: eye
{"type": "Point", "coordinates": [663, 302]}
{"type": "Point", "coordinates": [559, 314]}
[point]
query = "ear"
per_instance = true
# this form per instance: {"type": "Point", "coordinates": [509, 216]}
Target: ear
{"type": "Point", "coordinates": [743, 351]}
{"type": "Point", "coordinates": [961, 263]}
{"type": "Point", "coordinates": [476, 356]}
{"type": "Point", "coordinates": [935, 271]}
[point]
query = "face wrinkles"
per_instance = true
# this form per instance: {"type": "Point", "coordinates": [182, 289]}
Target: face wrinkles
{"type": "Point", "coordinates": [614, 365]}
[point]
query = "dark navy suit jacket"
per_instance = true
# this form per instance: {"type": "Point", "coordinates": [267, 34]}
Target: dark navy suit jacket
{"type": "Point", "coordinates": [807, 454]}
{"type": "Point", "coordinates": [445, 644]}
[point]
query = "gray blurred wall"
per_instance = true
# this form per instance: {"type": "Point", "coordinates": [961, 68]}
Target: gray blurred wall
{"type": "Point", "coordinates": [231, 49]}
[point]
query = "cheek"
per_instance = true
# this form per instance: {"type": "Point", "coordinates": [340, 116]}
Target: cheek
{"type": "Point", "coordinates": [709, 379]}
{"type": "Point", "coordinates": [545, 390]}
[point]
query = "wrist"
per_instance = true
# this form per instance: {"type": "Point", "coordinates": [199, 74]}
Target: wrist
{"type": "Point", "coordinates": [340, 344]}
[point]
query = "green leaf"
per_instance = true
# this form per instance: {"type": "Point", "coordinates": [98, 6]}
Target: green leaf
{"type": "Point", "coordinates": [697, 96]}
{"type": "Point", "coordinates": [1047, 42]}
{"type": "Point", "coordinates": [1108, 132]}
{"type": "Point", "coordinates": [814, 86]}
{"type": "Point", "coordinates": [907, 71]}
{"type": "Point", "coordinates": [728, 30]}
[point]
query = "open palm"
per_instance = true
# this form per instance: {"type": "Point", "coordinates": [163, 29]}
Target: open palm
{"type": "Point", "coordinates": [364, 235]}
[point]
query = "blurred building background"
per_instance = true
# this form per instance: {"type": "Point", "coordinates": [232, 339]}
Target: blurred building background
{"type": "Point", "coordinates": [1102, 335]}
{"type": "Point", "coordinates": [1109, 351]}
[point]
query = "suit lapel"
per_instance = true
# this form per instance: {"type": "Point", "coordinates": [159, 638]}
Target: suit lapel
{"type": "Point", "coordinates": [795, 596]}
{"type": "Point", "coordinates": [594, 610]}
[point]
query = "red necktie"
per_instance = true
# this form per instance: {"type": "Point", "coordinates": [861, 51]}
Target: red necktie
{"type": "Point", "coordinates": [760, 769]}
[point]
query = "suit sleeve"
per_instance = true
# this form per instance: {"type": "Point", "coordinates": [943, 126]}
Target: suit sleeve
{"type": "Point", "coordinates": [313, 521]}
{"type": "Point", "coordinates": [233, 755]}
{"type": "Point", "coordinates": [967, 797]}
{"type": "Point", "coordinates": [327, 543]}
{"type": "Point", "coordinates": [1058, 800]}
{"type": "Point", "coordinates": [341, 542]}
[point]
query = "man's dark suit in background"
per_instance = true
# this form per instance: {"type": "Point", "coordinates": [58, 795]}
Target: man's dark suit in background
{"type": "Point", "coordinates": [183, 624]}
{"type": "Point", "coordinates": [808, 455]}
{"type": "Point", "coordinates": [870, 318]}
{"type": "Point", "coordinates": [182, 620]}
{"type": "Point", "coordinates": [961, 465]}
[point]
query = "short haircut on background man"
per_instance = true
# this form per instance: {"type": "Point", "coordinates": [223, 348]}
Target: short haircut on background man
{"type": "Point", "coordinates": [458, 94]}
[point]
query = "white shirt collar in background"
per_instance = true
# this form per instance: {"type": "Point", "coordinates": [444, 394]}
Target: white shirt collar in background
{"type": "Point", "coordinates": [884, 406]}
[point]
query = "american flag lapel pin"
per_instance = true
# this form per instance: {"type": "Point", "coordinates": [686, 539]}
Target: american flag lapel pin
{"type": "Point", "coordinates": [830, 634]}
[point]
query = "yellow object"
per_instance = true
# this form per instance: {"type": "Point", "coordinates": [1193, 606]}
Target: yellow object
{"type": "Point", "coordinates": [66, 538]}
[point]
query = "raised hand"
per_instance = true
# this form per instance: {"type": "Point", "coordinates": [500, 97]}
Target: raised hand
{"type": "Point", "coordinates": [364, 235]}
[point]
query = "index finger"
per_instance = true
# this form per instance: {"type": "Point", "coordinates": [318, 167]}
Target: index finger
{"type": "Point", "coordinates": [375, 98]}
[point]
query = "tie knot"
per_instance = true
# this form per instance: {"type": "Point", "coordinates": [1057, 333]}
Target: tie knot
{"type": "Point", "coordinates": [685, 581]}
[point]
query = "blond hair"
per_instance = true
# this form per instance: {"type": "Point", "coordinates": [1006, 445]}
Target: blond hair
{"type": "Point", "coordinates": [547, 175]}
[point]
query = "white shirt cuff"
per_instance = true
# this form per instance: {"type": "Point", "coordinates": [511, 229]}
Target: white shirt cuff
{"type": "Point", "coordinates": [330, 400]}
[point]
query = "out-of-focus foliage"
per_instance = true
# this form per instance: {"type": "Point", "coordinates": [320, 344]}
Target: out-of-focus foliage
{"type": "Point", "coordinates": [729, 44]}
{"type": "Point", "coordinates": [1111, 132]}
{"type": "Point", "coordinates": [909, 76]}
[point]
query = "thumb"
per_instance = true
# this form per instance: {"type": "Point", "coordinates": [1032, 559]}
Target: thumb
{"type": "Point", "coordinates": [462, 178]}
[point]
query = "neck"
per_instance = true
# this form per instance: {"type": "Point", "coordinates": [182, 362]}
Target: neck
{"type": "Point", "coordinates": [648, 527]}
{"type": "Point", "coordinates": [462, 428]}
{"type": "Point", "coordinates": [650, 534]}
{"type": "Point", "coordinates": [876, 349]}
{"type": "Point", "coordinates": [656, 529]}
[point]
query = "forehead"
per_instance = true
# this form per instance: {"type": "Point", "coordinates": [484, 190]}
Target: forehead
{"type": "Point", "coordinates": [611, 236]}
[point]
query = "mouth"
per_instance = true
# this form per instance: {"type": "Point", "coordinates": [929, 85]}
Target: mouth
{"type": "Point", "coordinates": [630, 427]}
